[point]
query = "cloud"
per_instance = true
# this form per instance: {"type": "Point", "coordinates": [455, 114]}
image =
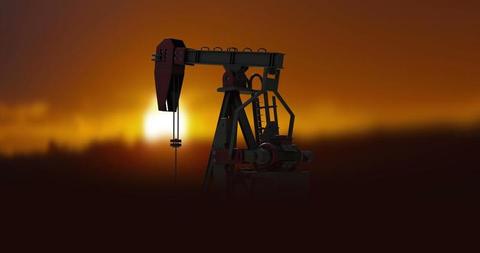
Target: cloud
{"type": "Point", "coordinates": [30, 127]}
{"type": "Point", "coordinates": [13, 114]}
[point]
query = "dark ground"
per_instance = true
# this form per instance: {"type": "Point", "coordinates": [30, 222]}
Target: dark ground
{"type": "Point", "coordinates": [434, 165]}
{"type": "Point", "coordinates": [412, 176]}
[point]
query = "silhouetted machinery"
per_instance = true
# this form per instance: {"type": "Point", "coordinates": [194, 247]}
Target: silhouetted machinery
{"type": "Point", "coordinates": [269, 158]}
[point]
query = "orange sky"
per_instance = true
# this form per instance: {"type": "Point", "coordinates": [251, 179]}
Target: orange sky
{"type": "Point", "coordinates": [75, 71]}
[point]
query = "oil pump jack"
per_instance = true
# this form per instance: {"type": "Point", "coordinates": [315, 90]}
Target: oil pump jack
{"type": "Point", "coordinates": [267, 153]}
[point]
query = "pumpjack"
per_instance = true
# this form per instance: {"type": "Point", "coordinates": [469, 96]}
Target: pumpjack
{"type": "Point", "coordinates": [267, 154]}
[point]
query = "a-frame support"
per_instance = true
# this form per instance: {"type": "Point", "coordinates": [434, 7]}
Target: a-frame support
{"type": "Point", "coordinates": [220, 169]}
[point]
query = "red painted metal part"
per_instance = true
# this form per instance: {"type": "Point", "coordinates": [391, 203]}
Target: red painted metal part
{"type": "Point", "coordinates": [169, 72]}
{"type": "Point", "coordinates": [273, 152]}
{"type": "Point", "coordinates": [223, 156]}
{"type": "Point", "coordinates": [235, 78]}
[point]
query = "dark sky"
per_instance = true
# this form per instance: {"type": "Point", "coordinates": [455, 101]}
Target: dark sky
{"type": "Point", "coordinates": [74, 71]}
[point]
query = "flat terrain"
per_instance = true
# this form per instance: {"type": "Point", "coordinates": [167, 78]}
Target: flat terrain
{"type": "Point", "coordinates": [430, 165]}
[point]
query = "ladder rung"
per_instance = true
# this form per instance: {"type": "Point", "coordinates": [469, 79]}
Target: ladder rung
{"type": "Point", "coordinates": [270, 106]}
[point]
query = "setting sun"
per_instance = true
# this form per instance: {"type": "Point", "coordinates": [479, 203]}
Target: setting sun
{"type": "Point", "coordinates": [158, 125]}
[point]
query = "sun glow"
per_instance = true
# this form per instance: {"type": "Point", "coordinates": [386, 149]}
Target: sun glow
{"type": "Point", "coordinates": [158, 125]}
